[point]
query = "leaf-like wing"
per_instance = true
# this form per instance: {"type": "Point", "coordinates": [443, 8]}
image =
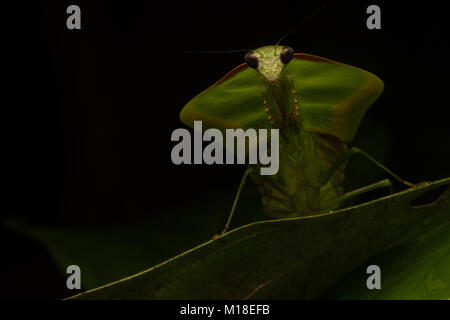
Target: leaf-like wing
{"type": "Point", "coordinates": [232, 102]}
{"type": "Point", "coordinates": [333, 97]}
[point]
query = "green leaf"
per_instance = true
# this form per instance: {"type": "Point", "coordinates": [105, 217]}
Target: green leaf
{"type": "Point", "coordinates": [419, 269]}
{"type": "Point", "coordinates": [289, 258]}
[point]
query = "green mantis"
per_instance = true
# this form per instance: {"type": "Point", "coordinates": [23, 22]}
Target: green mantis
{"type": "Point", "coordinates": [316, 103]}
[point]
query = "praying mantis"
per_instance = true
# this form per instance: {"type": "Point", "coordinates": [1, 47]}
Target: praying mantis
{"type": "Point", "coordinates": [316, 103]}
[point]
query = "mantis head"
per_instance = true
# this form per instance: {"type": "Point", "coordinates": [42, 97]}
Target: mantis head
{"type": "Point", "coordinates": [269, 61]}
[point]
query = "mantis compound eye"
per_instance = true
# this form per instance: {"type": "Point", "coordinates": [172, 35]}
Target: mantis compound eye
{"type": "Point", "coordinates": [252, 60]}
{"type": "Point", "coordinates": [286, 55]}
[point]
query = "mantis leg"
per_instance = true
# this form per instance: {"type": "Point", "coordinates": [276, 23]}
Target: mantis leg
{"type": "Point", "coordinates": [386, 183]}
{"type": "Point", "coordinates": [236, 198]}
{"type": "Point", "coordinates": [354, 151]}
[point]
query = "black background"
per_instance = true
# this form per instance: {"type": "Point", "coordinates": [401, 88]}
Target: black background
{"type": "Point", "coordinates": [89, 113]}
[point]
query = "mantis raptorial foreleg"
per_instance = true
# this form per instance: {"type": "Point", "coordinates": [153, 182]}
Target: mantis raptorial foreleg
{"type": "Point", "coordinates": [354, 151]}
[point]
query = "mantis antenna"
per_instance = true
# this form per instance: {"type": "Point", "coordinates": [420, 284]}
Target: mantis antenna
{"type": "Point", "coordinates": [218, 51]}
{"type": "Point", "coordinates": [253, 50]}
{"type": "Point", "coordinates": [300, 24]}
{"type": "Point", "coordinates": [221, 51]}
